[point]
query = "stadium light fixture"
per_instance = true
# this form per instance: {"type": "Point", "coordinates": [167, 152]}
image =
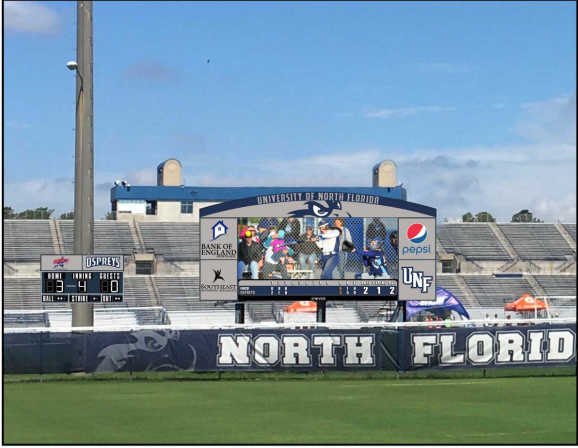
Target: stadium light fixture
{"type": "Point", "coordinates": [117, 182]}
{"type": "Point", "coordinates": [72, 65]}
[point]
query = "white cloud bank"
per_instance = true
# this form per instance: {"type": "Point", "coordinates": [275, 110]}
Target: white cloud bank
{"type": "Point", "coordinates": [32, 18]}
{"type": "Point", "coordinates": [539, 175]}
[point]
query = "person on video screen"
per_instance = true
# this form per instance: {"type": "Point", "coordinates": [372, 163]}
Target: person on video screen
{"type": "Point", "coordinates": [328, 242]}
{"type": "Point", "coordinates": [374, 260]}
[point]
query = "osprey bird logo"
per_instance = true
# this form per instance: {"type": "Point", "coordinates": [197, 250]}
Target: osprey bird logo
{"type": "Point", "coordinates": [218, 275]}
{"type": "Point", "coordinates": [317, 209]}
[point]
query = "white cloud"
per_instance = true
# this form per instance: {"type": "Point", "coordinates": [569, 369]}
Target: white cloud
{"type": "Point", "coordinates": [550, 121]}
{"type": "Point", "coordinates": [18, 125]}
{"type": "Point", "coordinates": [405, 112]}
{"type": "Point", "coordinates": [539, 175]}
{"type": "Point", "coordinates": [31, 17]}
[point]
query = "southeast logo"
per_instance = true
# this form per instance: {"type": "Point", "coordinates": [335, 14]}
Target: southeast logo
{"type": "Point", "coordinates": [416, 279]}
{"type": "Point", "coordinates": [218, 275]}
{"type": "Point", "coordinates": [60, 262]}
{"type": "Point", "coordinates": [219, 229]}
{"type": "Point", "coordinates": [417, 233]}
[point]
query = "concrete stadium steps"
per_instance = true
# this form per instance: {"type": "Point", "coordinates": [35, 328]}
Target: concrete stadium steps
{"type": "Point", "coordinates": [179, 293]}
{"type": "Point", "coordinates": [571, 229]}
{"type": "Point", "coordinates": [27, 239]}
{"type": "Point", "coordinates": [24, 320]}
{"type": "Point", "coordinates": [174, 241]}
{"type": "Point", "coordinates": [374, 310]}
{"type": "Point", "coordinates": [536, 241]}
{"type": "Point", "coordinates": [451, 284]}
{"type": "Point", "coordinates": [110, 237]}
{"type": "Point", "coordinates": [22, 294]}
{"type": "Point", "coordinates": [263, 311]}
{"type": "Point", "coordinates": [493, 291]}
{"type": "Point", "coordinates": [475, 241]}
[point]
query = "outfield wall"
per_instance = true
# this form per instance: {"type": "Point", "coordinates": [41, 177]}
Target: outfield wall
{"type": "Point", "coordinates": [279, 349]}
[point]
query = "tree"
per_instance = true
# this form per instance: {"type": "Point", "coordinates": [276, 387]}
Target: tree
{"type": "Point", "coordinates": [524, 216]}
{"type": "Point", "coordinates": [109, 216]}
{"type": "Point", "coordinates": [69, 215]}
{"type": "Point", "coordinates": [468, 217]}
{"type": "Point", "coordinates": [9, 213]}
{"type": "Point", "coordinates": [485, 217]}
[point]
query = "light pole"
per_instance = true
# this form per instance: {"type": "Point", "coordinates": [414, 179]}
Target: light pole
{"type": "Point", "coordinates": [83, 313]}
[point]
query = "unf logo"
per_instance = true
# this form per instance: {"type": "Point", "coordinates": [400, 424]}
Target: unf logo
{"type": "Point", "coordinates": [416, 279]}
{"type": "Point", "coordinates": [103, 261]}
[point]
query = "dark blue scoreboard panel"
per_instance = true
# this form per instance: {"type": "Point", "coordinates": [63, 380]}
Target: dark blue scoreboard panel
{"type": "Point", "coordinates": [319, 289]}
{"type": "Point", "coordinates": [82, 278]}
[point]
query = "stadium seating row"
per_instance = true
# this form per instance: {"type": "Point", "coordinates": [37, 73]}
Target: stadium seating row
{"type": "Point", "coordinates": [26, 240]}
{"type": "Point", "coordinates": [181, 293]}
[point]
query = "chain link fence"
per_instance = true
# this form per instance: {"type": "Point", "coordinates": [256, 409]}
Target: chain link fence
{"type": "Point", "coordinates": [292, 248]}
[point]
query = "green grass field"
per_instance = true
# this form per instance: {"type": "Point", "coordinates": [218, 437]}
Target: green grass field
{"type": "Point", "coordinates": [469, 410]}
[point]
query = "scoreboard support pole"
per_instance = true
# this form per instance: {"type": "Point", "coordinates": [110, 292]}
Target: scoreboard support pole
{"type": "Point", "coordinates": [321, 311]}
{"type": "Point", "coordinates": [239, 312]}
{"type": "Point", "coordinates": [83, 313]}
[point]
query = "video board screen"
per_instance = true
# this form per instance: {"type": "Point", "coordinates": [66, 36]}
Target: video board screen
{"type": "Point", "coordinates": [319, 248]}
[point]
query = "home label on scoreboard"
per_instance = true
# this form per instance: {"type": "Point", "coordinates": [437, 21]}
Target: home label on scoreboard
{"type": "Point", "coordinates": [82, 278]}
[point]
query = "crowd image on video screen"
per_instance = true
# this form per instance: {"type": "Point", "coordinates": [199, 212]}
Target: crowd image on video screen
{"type": "Point", "coordinates": [317, 248]}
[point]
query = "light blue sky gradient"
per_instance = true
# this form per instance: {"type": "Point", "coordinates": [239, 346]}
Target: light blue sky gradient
{"type": "Point", "coordinates": [302, 84]}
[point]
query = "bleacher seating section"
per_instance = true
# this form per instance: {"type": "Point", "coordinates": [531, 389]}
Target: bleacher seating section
{"type": "Point", "coordinates": [110, 237]}
{"type": "Point", "coordinates": [25, 240]}
{"type": "Point", "coordinates": [493, 291]}
{"type": "Point", "coordinates": [475, 241]}
{"type": "Point", "coordinates": [563, 286]}
{"type": "Point", "coordinates": [537, 241]}
{"type": "Point", "coordinates": [175, 241]}
{"type": "Point", "coordinates": [449, 283]}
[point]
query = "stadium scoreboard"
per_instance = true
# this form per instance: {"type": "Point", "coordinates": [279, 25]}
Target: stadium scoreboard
{"type": "Point", "coordinates": [405, 271]}
{"type": "Point", "coordinates": [82, 278]}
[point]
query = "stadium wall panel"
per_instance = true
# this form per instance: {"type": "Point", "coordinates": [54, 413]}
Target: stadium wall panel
{"type": "Point", "coordinates": [304, 350]}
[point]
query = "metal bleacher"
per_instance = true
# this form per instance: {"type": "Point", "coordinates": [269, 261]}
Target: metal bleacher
{"type": "Point", "coordinates": [494, 292]}
{"type": "Point", "coordinates": [175, 241]}
{"type": "Point", "coordinates": [475, 241]}
{"type": "Point", "coordinates": [536, 241]}
{"type": "Point", "coordinates": [561, 287]}
{"type": "Point", "coordinates": [110, 237]}
{"type": "Point", "coordinates": [26, 239]}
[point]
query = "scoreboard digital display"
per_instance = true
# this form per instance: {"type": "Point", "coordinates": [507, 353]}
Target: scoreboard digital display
{"type": "Point", "coordinates": [317, 246]}
{"type": "Point", "coordinates": [82, 278]}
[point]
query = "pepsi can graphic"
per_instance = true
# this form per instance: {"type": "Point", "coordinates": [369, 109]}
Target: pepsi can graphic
{"type": "Point", "coordinates": [417, 239]}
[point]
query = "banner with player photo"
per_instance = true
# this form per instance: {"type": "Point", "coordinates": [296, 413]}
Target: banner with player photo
{"type": "Point", "coordinates": [222, 350]}
{"type": "Point", "coordinates": [492, 347]}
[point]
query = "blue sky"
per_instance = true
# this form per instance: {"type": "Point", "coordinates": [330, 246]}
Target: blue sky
{"type": "Point", "coordinates": [475, 102]}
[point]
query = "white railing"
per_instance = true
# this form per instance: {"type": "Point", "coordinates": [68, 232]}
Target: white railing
{"type": "Point", "coordinates": [384, 325]}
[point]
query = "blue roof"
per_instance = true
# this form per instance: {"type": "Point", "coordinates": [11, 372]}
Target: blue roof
{"type": "Point", "coordinates": [220, 194]}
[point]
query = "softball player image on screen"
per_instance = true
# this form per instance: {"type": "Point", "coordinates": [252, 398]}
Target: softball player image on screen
{"type": "Point", "coordinates": [374, 260]}
{"type": "Point", "coordinates": [328, 242]}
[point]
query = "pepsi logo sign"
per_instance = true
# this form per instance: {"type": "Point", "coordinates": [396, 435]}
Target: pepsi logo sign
{"type": "Point", "coordinates": [417, 233]}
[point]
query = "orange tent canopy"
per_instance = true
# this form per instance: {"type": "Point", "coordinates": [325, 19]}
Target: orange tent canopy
{"type": "Point", "coordinates": [526, 303]}
{"type": "Point", "coordinates": [303, 306]}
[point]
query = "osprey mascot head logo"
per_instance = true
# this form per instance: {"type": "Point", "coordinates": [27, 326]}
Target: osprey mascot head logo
{"type": "Point", "coordinates": [317, 209]}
